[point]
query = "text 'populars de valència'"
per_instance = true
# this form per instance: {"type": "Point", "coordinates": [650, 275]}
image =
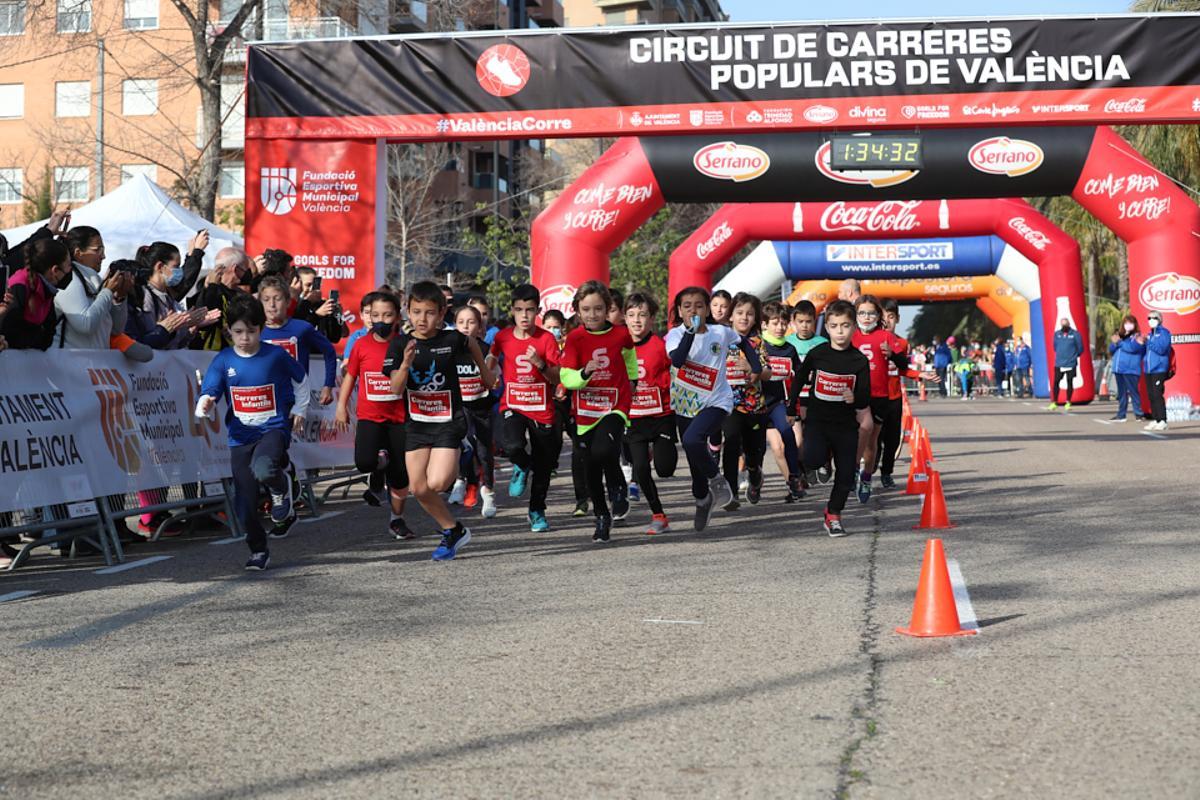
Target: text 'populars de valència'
{"type": "Point", "coordinates": [836, 59]}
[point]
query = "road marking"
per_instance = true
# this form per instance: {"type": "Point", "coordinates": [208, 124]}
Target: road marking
{"type": "Point", "coordinates": [132, 565]}
{"type": "Point", "coordinates": [1154, 435]}
{"type": "Point", "coordinates": [322, 518]}
{"type": "Point", "coordinates": [674, 621]}
{"type": "Point", "coordinates": [962, 600]}
{"type": "Point", "coordinates": [230, 540]}
{"type": "Point", "coordinates": [4, 598]}
{"type": "Point", "coordinates": [1104, 421]}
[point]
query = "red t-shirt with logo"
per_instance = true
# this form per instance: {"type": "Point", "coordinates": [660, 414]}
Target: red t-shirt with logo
{"type": "Point", "coordinates": [608, 389]}
{"type": "Point", "coordinates": [526, 390]}
{"type": "Point", "coordinates": [653, 395]}
{"type": "Point", "coordinates": [376, 401]}
{"type": "Point", "coordinates": [895, 388]}
{"type": "Point", "coordinates": [871, 346]}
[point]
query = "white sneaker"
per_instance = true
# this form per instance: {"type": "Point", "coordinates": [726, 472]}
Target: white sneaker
{"type": "Point", "coordinates": [458, 493]}
{"type": "Point", "coordinates": [488, 506]}
{"type": "Point", "coordinates": [1152, 425]}
{"type": "Point", "coordinates": [743, 483]}
{"type": "Point", "coordinates": [627, 471]}
{"type": "Point", "coordinates": [1161, 426]}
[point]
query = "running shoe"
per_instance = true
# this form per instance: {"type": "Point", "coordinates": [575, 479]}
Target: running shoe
{"type": "Point", "coordinates": [1052, 407]}
{"type": "Point", "coordinates": [400, 529]}
{"type": "Point", "coordinates": [516, 484]}
{"type": "Point", "coordinates": [658, 524]}
{"type": "Point", "coordinates": [704, 507]}
{"type": "Point", "coordinates": [719, 489]}
{"type": "Point", "coordinates": [258, 562]}
{"type": "Point", "coordinates": [732, 505]}
{"type": "Point", "coordinates": [864, 488]}
{"type": "Point", "coordinates": [635, 493]}
{"type": "Point", "coordinates": [620, 506]}
{"type": "Point", "coordinates": [603, 528]}
{"type": "Point", "coordinates": [281, 504]}
{"type": "Point", "coordinates": [833, 526]}
{"type": "Point", "coordinates": [627, 471]}
{"type": "Point", "coordinates": [824, 474]}
{"type": "Point", "coordinates": [452, 542]}
{"type": "Point", "coordinates": [795, 489]}
{"type": "Point", "coordinates": [581, 509]}
{"type": "Point", "coordinates": [754, 489]}
{"type": "Point", "coordinates": [537, 522]}
{"type": "Point", "coordinates": [887, 482]}
{"type": "Point", "coordinates": [372, 499]}
{"type": "Point", "coordinates": [162, 519]}
{"type": "Point", "coordinates": [458, 492]}
{"type": "Point", "coordinates": [471, 496]}
{"type": "Point", "coordinates": [743, 483]}
{"type": "Point", "coordinates": [1067, 406]}
{"type": "Point", "coordinates": [1116, 419]}
{"type": "Point", "coordinates": [280, 530]}
{"type": "Point", "coordinates": [488, 509]}
{"type": "Point", "coordinates": [1162, 426]}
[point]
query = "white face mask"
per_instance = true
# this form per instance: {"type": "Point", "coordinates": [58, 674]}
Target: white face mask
{"type": "Point", "coordinates": [1129, 327]}
{"type": "Point", "coordinates": [1154, 323]}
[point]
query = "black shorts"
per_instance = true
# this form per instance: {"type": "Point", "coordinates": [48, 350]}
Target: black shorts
{"type": "Point", "coordinates": [423, 435]}
{"type": "Point", "coordinates": [879, 409]}
{"type": "Point", "coordinates": [651, 429]}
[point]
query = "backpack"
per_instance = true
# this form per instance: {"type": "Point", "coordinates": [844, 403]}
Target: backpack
{"type": "Point", "coordinates": [1171, 363]}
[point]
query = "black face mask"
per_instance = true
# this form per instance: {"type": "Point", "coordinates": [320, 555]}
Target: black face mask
{"type": "Point", "coordinates": [383, 329]}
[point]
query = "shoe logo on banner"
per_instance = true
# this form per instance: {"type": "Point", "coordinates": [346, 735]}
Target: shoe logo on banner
{"type": "Point", "coordinates": [120, 432]}
{"type": "Point", "coordinates": [502, 70]}
{"type": "Point", "coordinates": [278, 189]}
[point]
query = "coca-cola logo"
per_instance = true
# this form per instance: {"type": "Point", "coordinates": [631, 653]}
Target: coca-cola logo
{"type": "Point", "coordinates": [891, 216]}
{"type": "Point", "coordinates": [1030, 234]}
{"type": "Point", "coordinates": [875, 178]}
{"type": "Point", "coordinates": [1134, 105]}
{"type": "Point", "coordinates": [1172, 292]}
{"type": "Point", "coordinates": [821, 115]}
{"type": "Point", "coordinates": [720, 236]}
{"type": "Point", "coordinates": [1001, 155]}
{"type": "Point", "coordinates": [730, 161]}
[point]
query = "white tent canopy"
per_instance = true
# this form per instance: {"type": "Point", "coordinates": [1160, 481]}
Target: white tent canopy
{"type": "Point", "coordinates": [138, 212]}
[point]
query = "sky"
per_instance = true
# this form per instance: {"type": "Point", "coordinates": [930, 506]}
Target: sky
{"type": "Point", "coordinates": [783, 10]}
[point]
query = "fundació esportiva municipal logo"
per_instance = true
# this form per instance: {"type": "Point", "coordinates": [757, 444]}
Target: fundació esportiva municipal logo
{"type": "Point", "coordinates": [118, 427]}
{"type": "Point", "coordinates": [278, 189]}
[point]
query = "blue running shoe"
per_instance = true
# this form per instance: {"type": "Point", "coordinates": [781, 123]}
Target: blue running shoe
{"type": "Point", "coordinates": [537, 522]}
{"type": "Point", "coordinates": [516, 484]}
{"type": "Point", "coordinates": [281, 504]}
{"type": "Point", "coordinates": [452, 542]}
{"type": "Point", "coordinates": [258, 562]}
{"type": "Point", "coordinates": [635, 493]}
{"type": "Point", "coordinates": [864, 488]}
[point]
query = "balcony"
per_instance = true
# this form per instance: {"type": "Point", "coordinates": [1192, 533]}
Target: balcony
{"type": "Point", "coordinates": [409, 17]}
{"type": "Point", "coordinates": [283, 30]}
{"type": "Point", "coordinates": [547, 13]}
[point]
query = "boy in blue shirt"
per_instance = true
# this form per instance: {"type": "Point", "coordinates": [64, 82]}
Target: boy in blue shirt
{"type": "Point", "coordinates": [263, 386]}
{"type": "Point", "coordinates": [297, 337]}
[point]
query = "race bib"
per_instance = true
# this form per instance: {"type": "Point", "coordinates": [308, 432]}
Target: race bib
{"type": "Point", "coordinates": [595, 403]}
{"type": "Point", "coordinates": [525, 396]}
{"type": "Point", "coordinates": [471, 387]}
{"type": "Point", "coordinates": [430, 406]}
{"type": "Point", "coordinates": [735, 372]}
{"type": "Point", "coordinates": [253, 405]}
{"type": "Point", "coordinates": [697, 377]}
{"type": "Point", "coordinates": [781, 368]}
{"type": "Point", "coordinates": [647, 402]}
{"type": "Point", "coordinates": [831, 387]}
{"type": "Point", "coordinates": [289, 346]}
{"type": "Point", "coordinates": [379, 388]}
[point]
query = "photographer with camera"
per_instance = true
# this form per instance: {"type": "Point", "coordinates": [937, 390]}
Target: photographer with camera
{"type": "Point", "coordinates": [323, 314]}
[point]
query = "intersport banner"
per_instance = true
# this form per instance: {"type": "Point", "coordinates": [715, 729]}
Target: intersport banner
{"type": "Point", "coordinates": [687, 79]}
{"type": "Point", "coordinates": [87, 424]}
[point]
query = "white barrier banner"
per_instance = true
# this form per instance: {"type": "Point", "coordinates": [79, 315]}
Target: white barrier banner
{"type": "Point", "coordinates": [81, 424]}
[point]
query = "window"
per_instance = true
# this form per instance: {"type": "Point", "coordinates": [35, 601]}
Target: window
{"type": "Point", "coordinates": [70, 184]}
{"type": "Point", "coordinates": [141, 14]}
{"type": "Point", "coordinates": [615, 17]}
{"type": "Point", "coordinates": [72, 98]}
{"type": "Point", "coordinates": [12, 17]}
{"type": "Point", "coordinates": [74, 16]}
{"type": "Point", "coordinates": [139, 97]}
{"type": "Point", "coordinates": [131, 171]}
{"type": "Point", "coordinates": [11, 185]}
{"type": "Point", "coordinates": [233, 181]}
{"type": "Point", "coordinates": [12, 100]}
{"type": "Point", "coordinates": [233, 113]}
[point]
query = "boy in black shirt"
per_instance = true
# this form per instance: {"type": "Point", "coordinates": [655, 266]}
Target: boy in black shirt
{"type": "Point", "coordinates": [423, 365]}
{"type": "Point", "coordinates": [837, 406]}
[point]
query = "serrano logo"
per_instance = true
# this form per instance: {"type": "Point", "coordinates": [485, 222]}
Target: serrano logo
{"type": "Point", "coordinates": [120, 432]}
{"type": "Point", "coordinates": [502, 70]}
{"type": "Point", "coordinates": [729, 161]}
{"type": "Point", "coordinates": [892, 215]}
{"type": "Point", "coordinates": [875, 178]}
{"type": "Point", "coordinates": [821, 115]}
{"type": "Point", "coordinates": [1030, 234]}
{"type": "Point", "coordinates": [559, 298]}
{"type": "Point", "coordinates": [720, 236]}
{"type": "Point", "coordinates": [277, 189]}
{"type": "Point", "coordinates": [1170, 291]}
{"type": "Point", "coordinates": [1001, 155]}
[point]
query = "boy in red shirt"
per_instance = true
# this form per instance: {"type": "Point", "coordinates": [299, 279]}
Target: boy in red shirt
{"type": "Point", "coordinates": [651, 435]}
{"type": "Point", "coordinates": [879, 346]}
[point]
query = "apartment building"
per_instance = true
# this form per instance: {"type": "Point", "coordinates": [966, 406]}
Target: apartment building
{"type": "Point", "coordinates": [590, 13]}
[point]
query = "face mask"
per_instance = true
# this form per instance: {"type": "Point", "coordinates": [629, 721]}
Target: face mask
{"type": "Point", "coordinates": [1154, 323]}
{"type": "Point", "coordinates": [867, 327]}
{"type": "Point", "coordinates": [176, 277]}
{"type": "Point", "coordinates": [1129, 327]}
{"type": "Point", "coordinates": [557, 332]}
{"type": "Point", "coordinates": [383, 329]}
{"type": "Point", "coordinates": [1065, 328]}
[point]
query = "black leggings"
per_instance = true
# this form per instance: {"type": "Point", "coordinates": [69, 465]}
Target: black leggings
{"type": "Point", "coordinates": [601, 448]}
{"type": "Point", "coordinates": [545, 443]}
{"type": "Point", "coordinates": [1156, 388]}
{"type": "Point", "coordinates": [483, 449]}
{"type": "Point", "coordinates": [1059, 374]}
{"type": "Point", "coordinates": [744, 434]}
{"type": "Point", "coordinates": [369, 439]}
{"type": "Point", "coordinates": [652, 440]}
{"type": "Point", "coordinates": [819, 439]}
{"type": "Point", "coordinates": [264, 462]}
{"type": "Point", "coordinates": [889, 436]}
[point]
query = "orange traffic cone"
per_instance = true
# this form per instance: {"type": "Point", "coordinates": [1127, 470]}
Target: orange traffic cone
{"type": "Point", "coordinates": [927, 447]}
{"type": "Point", "coordinates": [918, 468]}
{"type": "Point", "coordinates": [933, 512]}
{"type": "Point", "coordinates": [921, 391]}
{"type": "Point", "coordinates": [934, 612]}
{"type": "Point", "coordinates": [1103, 390]}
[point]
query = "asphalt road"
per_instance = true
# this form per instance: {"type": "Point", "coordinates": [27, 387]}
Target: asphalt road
{"type": "Point", "coordinates": [757, 659]}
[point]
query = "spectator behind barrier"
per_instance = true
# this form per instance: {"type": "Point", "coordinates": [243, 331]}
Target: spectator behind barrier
{"type": "Point", "coordinates": [27, 316]}
{"type": "Point", "coordinates": [311, 306]}
{"type": "Point", "coordinates": [93, 311]}
{"type": "Point", "coordinates": [156, 317]}
{"type": "Point", "coordinates": [231, 271]}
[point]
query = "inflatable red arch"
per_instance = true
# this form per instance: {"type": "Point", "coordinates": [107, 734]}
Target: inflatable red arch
{"type": "Point", "coordinates": [1015, 221]}
{"type": "Point", "coordinates": [573, 237]}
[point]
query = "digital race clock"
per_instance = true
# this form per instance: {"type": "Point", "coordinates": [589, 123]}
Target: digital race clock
{"type": "Point", "coordinates": [894, 151]}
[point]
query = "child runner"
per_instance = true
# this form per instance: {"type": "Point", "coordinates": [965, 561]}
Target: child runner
{"type": "Point", "coordinates": [651, 435]}
{"type": "Point", "coordinates": [296, 337]}
{"type": "Point", "coordinates": [700, 394]}
{"type": "Point", "coordinates": [782, 363]}
{"type": "Point", "coordinates": [264, 386]}
{"type": "Point", "coordinates": [379, 432]}
{"type": "Point", "coordinates": [720, 306]}
{"type": "Point", "coordinates": [804, 338]}
{"type": "Point", "coordinates": [878, 345]}
{"type": "Point", "coordinates": [424, 366]}
{"type": "Point", "coordinates": [528, 356]}
{"type": "Point", "coordinates": [478, 464]}
{"type": "Point", "coordinates": [745, 428]}
{"type": "Point", "coordinates": [837, 407]}
{"type": "Point", "coordinates": [598, 365]}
